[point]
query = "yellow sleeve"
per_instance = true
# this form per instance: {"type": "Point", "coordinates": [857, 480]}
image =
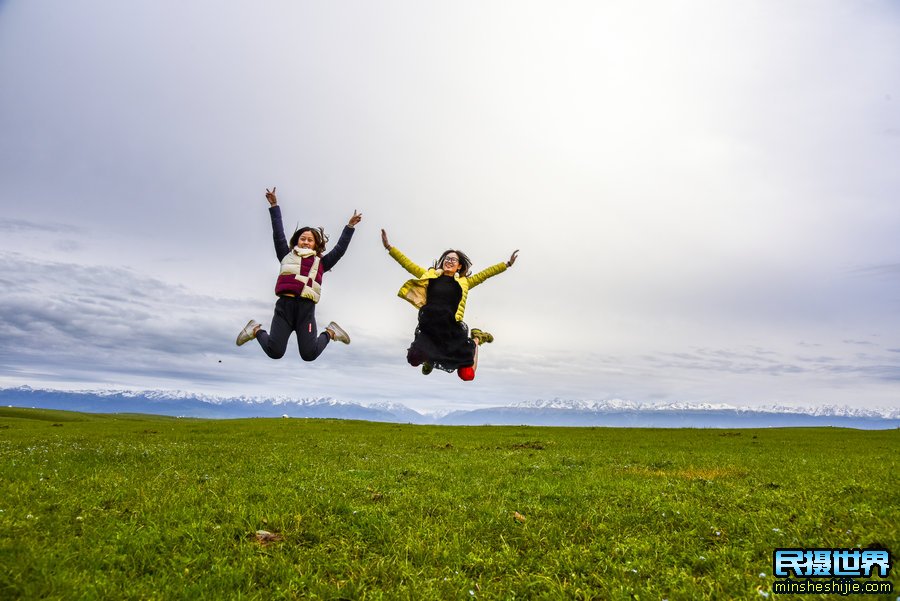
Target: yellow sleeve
{"type": "Point", "coordinates": [490, 272]}
{"type": "Point", "coordinates": [406, 263]}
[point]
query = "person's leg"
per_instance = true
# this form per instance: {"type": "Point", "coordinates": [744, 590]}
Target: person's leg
{"type": "Point", "coordinates": [274, 342]}
{"type": "Point", "coordinates": [310, 342]}
{"type": "Point", "coordinates": [417, 353]}
{"type": "Point", "coordinates": [415, 357]}
{"type": "Point", "coordinates": [467, 374]}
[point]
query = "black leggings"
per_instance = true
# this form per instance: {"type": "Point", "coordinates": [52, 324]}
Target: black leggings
{"type": "Point", "coordinates": [293, 315]}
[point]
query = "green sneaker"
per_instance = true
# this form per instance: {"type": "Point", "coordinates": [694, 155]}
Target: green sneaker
{"type": "Point", "coordinates": [482, 337]}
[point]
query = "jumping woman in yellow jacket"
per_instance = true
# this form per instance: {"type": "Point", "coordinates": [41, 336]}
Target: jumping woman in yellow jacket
{"type": "Point", "coordinates": [442, 338]}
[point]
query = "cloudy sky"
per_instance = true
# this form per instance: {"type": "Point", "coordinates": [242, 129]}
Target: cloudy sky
{"type": "Point", "coordinates": [705, 194]}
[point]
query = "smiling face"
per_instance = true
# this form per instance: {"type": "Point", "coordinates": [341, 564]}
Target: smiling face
{"type": "Point", "coordinates": [307, 240]}
{"type": "Point", "coordinates": [450, 264]}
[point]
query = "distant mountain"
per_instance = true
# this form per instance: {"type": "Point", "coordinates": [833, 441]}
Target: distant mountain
{"type": "Point", "coordinates": [188, 405]}
{"type": "Point", "coordinates": [626, 414]}
{"type": "Point", "coordinates": [403, 414]}
{"type": "Point", "coordinates": [554, 412]}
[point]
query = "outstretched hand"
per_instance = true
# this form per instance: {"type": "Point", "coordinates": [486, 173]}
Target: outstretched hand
{"type": "Point", "coordinates": [384, 240]}
{"type": "Point", "coordinates": [513, 258]}
{"type": "Point", "coordinates": [357, 217]}
{"type": "Point", "coordinates": [270, 196]}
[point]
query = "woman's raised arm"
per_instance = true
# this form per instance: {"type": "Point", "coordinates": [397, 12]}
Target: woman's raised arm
{"type": "Point", "coordinates": [405, 262]}
{"type": "Point", "coordinates": [278, 238]}
{"type": "Point", "coordinates": [493, 270]}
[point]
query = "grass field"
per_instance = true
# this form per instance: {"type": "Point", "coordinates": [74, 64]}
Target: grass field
{"type": "Point", "coordinates": [141, 507]}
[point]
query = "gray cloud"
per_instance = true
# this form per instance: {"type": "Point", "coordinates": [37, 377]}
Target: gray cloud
{"type": "Point", "coordinates": [729, 361]}
{"type": "Point", "coordinates": [891, 270]}
{"type": "Point", "coordinates": [767, 364]}
{"type": "Point", "coordinates": [22, 226]}
{"type": "Point", "coordinates": [100, 318]}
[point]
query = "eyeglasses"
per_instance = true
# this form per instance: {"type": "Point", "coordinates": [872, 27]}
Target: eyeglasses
{"type": "Point", "coordinates": [451, 260]}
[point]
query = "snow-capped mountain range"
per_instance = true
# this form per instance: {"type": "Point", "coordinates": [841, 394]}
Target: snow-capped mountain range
{"type": "Point", "coordinates": [550, 412]}
{"type": "Point", "coordinates": [614, 405]}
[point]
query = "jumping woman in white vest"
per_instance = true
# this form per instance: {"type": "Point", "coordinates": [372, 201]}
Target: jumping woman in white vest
{"type": "Point", "coordinates": [442, 338]}
{"type": "Point", "coordinates": [298, 288]}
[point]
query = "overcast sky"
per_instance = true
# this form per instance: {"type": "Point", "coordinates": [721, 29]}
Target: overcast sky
{"type": "Point", "coordinates": [706, 195]}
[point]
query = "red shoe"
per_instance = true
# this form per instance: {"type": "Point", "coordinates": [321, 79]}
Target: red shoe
{"type": "Point", "coordinates": [466, 374]}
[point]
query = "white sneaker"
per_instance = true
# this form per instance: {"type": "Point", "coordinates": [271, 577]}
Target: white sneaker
{"type": "Point", "coordinates": [248, 333]}
{"type": "Point", "coordinates": [338, 333]}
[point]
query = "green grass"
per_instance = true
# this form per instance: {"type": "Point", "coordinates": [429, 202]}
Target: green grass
{"type": "Point", "coordinates": [141, 507]}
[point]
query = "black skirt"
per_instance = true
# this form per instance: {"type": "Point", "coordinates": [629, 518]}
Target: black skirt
{"type": "Point", "coordinates": [439, 338]}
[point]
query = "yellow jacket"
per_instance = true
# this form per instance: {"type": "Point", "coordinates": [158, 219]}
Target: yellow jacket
{"type": "Point", "coordinates": [416, 290]}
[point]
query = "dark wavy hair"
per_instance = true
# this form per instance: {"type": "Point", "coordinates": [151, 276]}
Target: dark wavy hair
{"type": "Point", "coordinates": [317, 232]}
{"type": "Point", "coordinates": [465, 263]}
